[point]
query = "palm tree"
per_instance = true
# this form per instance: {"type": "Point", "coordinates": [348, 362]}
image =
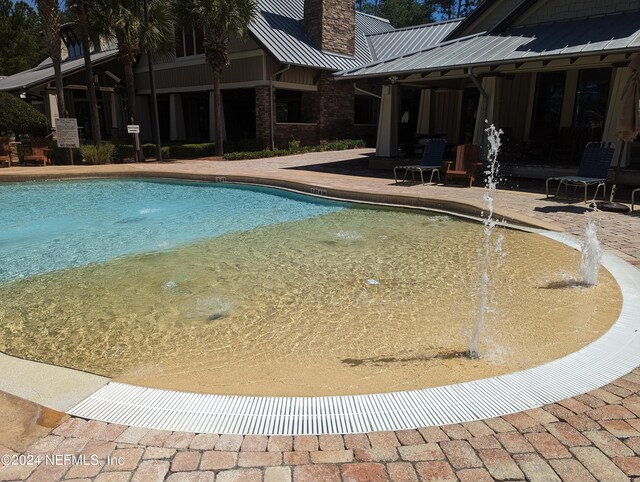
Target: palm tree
{"type": "Point", "coordinates": [85, 15]}
{"type": "Point", "coordinates": [220, 20]}
{"type": "Point", "coordinates": [49, 11]}
{"type": "Point", "coordinates": [124, 21]}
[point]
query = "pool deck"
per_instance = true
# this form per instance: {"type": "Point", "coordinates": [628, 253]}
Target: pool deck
{"type": "Point", "coordinates": [594, 436]}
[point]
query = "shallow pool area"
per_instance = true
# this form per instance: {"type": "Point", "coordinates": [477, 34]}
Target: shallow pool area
{"type": "Point", "coordinates": [244, 290]}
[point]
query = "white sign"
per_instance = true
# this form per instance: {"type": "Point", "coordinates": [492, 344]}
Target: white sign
{"type": "Point", "coordinates": [133, 129]}
{"type": "Point", "coordinates": [67, 132]}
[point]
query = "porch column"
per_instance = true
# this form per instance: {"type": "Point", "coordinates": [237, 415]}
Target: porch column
{"type": "Point", "coordinates": [424, 112]}
{"type": "Point", "coordinates": [176, 115]}
{"type": "Point", "coordinates": [387, 143]}
{"type": "Point", "coordinates": [620, 78]}
{"type": "Point", "coordinates": [487, 110]}
{"type": "Point", "coordinates": [569, 99]}
{"type": "Point", "coordinates": [53, 108]}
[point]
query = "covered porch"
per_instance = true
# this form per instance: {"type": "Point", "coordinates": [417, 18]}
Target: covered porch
{"type": "Point", "coordinates": [551, 88]}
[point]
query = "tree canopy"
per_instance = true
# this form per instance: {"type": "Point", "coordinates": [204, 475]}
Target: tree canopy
{"type": "Point", "coordinates": [19, 118]}
{"type": "Point", "coordinates": [406, 13]}
{"type": "Point", "coordinates": [21, 45]}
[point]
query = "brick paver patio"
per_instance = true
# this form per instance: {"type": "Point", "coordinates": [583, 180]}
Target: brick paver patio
{"type": "Point", "coordinates": [594, 436]}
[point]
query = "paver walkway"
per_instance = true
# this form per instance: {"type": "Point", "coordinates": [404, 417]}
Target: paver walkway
{"type": "Point", "coordinates": [595, 436]}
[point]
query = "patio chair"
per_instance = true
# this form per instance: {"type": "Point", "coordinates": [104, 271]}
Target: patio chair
{"type": "Point", "coordinates": [593, 170]}
{"type": "Point", "coordinates": [431, 161]}
{"type": "Point", "coordinates": [466, 164]}
{"type": "Point", "coordinates": [5, 151]}
{"type": "Point", "coordinates": [38, 152]}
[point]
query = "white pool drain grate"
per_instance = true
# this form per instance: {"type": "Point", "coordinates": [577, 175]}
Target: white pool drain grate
{"type": "Point", "coordinates": [614, 354]}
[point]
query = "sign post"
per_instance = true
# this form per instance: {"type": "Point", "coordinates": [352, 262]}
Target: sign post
{"type": "Point", "coordinates": [67, 134]}
{"type": "Point", "coordinates": [135, 130]}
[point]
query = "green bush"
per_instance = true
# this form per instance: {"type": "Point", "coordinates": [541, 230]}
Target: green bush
{"type": "Point", "coordinates": [101, 153]}
{"type": "Point", "coordinates": [238, 156]}
{"type": "Point", "coordinates": [294, 145]}
{"type": "Point", "coordinates": [243, 145]}
{"type": "Point", "coordinates": [60, 155]}
{"type": "Point", "coordinates": [19, 118]}
{"type": "Point", "coordinates": [125, 151]}
{"type": "Point", "coordinates": [190, 151]}
{"type": "Point", "coordinates": [295, 148]}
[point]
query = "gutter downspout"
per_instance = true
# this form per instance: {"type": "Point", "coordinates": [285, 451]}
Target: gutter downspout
{"type": "Point", "coordinates": [366, 92]}
{"type": "Point", "coordinates": [485, 97]}
{"type": "Point", "coordinates": [483, 93]}
{"type": "Point", "coordinates": [273, 143]}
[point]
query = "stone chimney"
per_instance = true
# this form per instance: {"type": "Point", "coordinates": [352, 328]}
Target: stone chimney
{"type": "Point", "coordinates": [331, 24]}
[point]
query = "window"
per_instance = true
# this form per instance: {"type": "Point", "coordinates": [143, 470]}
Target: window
{"type": "Point", "coordinates": [75, 50]}
{"type": "Point", "coordinates": [288, 106]}
{"type": "Point", "coordinates": [591, 101]}
{"type": "Point", "coordinates": [547, 106]}
{"type": "Point", "coordinates": [189, 42]}
{"type": "Point", "coordinates": [366, 110]}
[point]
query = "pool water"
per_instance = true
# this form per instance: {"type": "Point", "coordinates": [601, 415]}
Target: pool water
{"type": "Point", "coordinates": [49, 226]}
{"type": "Point", "coordinates": [243, 290]}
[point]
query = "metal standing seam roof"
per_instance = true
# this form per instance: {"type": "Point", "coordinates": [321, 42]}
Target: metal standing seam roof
{"type": "Point", "coordinates": [391, 44]}
{"type": "Point", "coordinates": [618, 32]}
{"type": "Point", "coordinates": [279, 27]}
{"type": "Point", "coordinates": [44, 72]}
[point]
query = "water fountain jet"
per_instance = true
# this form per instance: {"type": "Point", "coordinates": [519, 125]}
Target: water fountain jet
{"type": "Point", "coordinates": [490, 248]}
{"type": "Point", "coordinates": [591, 252]}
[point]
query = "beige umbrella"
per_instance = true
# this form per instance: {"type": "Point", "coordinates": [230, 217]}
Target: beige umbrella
{"type": "Point", "coordinates": [628, 126]}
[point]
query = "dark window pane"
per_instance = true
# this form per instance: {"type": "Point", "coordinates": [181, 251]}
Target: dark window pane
{"type": "Point", "coordinates": [179, 44]}
{"type": "Point", "coordinates": [548, 105]}
{"type": "Point", "coordinates": [591, 101]}
{"type": "Point", "coordinates": [188, 42]}
{"type": "Point", "coordinates": [288, 106]}
{"type": "Point", "coordinates": [366, 110]}
{"type": "Point", "coordinates": [199, 41]}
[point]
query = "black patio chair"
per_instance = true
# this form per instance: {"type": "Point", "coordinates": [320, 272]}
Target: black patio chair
{"type": "Point", "coordinates": [593, 170]}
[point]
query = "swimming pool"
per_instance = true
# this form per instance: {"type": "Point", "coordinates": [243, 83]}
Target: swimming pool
{"type": "Point", "coordinates": [242, 289]}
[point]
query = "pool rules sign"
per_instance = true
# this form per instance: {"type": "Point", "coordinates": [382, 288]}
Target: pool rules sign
{"type": "Point", "coordinates": [67, 133]}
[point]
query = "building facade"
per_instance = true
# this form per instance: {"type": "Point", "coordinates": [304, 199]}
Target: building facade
{"type": "Point", "coordinates": [551, 74]}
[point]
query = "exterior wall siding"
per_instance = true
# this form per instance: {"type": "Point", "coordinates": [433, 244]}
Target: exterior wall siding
{"type": "Point", "coordinates": [263, 125]}
{"type": "Point", "coordinates": [239, 70]}
{"type": "Point", "coordinates": [547, 11]}
{"type": "Point", "coordinates": [513, 103]}
{"type": "Point", "coordinates": [307, 134]}
{"type": "Point", "coordinates": [298, 75]}
{"type": "Point", "coordinates": [444, 106]}
{"type": "Point", "coordinates": [336, 112]}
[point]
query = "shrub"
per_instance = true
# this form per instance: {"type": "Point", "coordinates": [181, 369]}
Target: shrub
{"type": "Point", "coordinates": [189, 151]}
{"type": "Point", "coordinates": [61, 155]}
{"type": "Point", "coordinates": [101, 153]}
{"type": "Point", "coordinates": [238, 156]}
{"type": "Point", "coordinates": [294, 145]}
{"type": "Point", "coordinates": [19, 118]}
{"type": "Point", "coordinates": [324, 146]}
{"type": "Point", "coordinates": [125, 151]}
